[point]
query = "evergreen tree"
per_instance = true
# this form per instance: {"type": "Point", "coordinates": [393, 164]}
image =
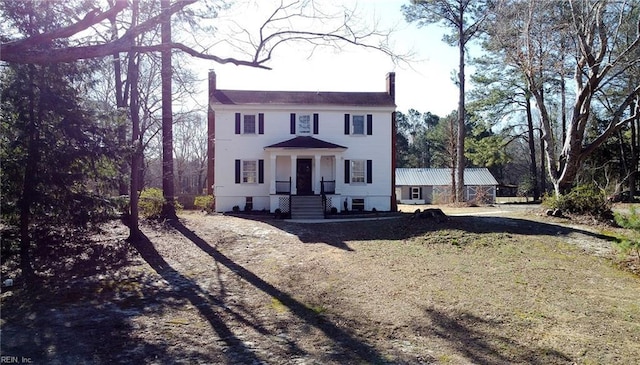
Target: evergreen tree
{"type": "Point", "coordinates": [58, 161]}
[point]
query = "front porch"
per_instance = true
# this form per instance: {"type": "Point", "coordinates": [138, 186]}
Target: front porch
{"type": "Point", "coordinates": [319, 205]}
{"type": "Point", "coordinates": [305, 166]}
{"type": "Point", "coordinates": [297, 177]}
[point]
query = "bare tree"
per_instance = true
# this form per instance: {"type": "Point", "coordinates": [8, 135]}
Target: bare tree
{"type": "Point", "coordinates": [190, 146]}
{"type": "Point", "coordinates": [601, 58]}
{"type": "Point", "coordinates": [288, 22]}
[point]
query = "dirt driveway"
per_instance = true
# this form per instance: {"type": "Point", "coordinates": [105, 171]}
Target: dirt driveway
{"type": "Point", "coordinates": [227, 290]}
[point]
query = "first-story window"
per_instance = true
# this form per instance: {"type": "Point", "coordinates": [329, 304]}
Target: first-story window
{"type": "Point", "coordinates": [357, 171]}
{"type": "Point", "coordinates": [415, 192]}
{"type": "Point", "coordinates": [249, 172]}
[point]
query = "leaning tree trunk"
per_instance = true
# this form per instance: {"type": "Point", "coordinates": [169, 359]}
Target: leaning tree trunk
{"type": "Point", "coordinates": [533, 170]}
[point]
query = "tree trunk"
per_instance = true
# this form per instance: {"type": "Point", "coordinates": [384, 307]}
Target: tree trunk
{"type": "Point", "coordinates": [136, 158]}
{"type": "Point", "coordinates": [452, 154]}
{"type": "Point", "coordinates": [634, 152]}
{"type": "Point", "coordinates": [121, 104]}
{"type": "Point", "coordinates": [533, 169]}
{"type": "Point", "coordinates": [543, 172]}
{"type": "Point", "coordinates": [168, 190]}
{"type": "Point", "coordinates": [461, 113]}
{"type": "Point", "coordinates": [28, 188]}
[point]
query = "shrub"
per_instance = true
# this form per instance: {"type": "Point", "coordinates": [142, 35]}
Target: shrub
{"type": "Point", "coordinates": [631, 221]}
{"type": "Point", "coordinates": [583, 199]}
{"type": "Point", "coordinates": [204, 202]}
{"type": "Point", "coordinates": [151, 201]}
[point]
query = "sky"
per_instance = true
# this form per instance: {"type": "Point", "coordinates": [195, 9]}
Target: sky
{"type": "Point", "coordinates": [424, 84]}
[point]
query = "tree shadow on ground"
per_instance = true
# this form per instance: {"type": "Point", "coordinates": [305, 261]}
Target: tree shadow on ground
{"type": "Point", "coordinates": [480, 340]}
{"type": "Point", "coordinates": [348, 348]}
{"type": "Point", "coordinates": [79, 308]}
{"type": "Point", "coordinates": [209, 306]}
{"type": "Point", "coordinates": [338, 234]}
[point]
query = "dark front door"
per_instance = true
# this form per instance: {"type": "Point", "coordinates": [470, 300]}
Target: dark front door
{"type": "Point", "coordinates": [303, 176]}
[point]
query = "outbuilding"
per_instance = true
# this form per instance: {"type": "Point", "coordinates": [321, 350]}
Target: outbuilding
{"type": "Point", "coordinates": [433, 185]}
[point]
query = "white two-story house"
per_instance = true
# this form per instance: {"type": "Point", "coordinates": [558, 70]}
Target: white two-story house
{"type": "Point", "coordinates": [267, 148]}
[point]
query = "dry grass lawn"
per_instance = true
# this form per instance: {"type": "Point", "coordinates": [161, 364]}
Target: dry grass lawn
{"type": "Point", "coordinates": [219, 289]}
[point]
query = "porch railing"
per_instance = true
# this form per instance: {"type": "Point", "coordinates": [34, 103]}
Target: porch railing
{"type": "Point", "coordinates": [283, 187]}
{"type": "Point", "coordinates": [327, 186]}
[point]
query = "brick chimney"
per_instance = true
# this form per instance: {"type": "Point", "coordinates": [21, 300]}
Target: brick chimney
{"type": "Point", "coordinates": [391, 85]}
{"type": "Point", "coordinates": [212, 81]}
{"type": "Point", "coordinates": [211, 136]}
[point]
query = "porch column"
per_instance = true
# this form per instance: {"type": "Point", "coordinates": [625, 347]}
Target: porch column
{"type": "Point", "coordinates": [316, 174]}
{"type": "Point", "coordinates": [294, 164]}
{"type": "Point", "coordinates": [338, 165]}
{"type": "Point", "coordinates": [272, 171]}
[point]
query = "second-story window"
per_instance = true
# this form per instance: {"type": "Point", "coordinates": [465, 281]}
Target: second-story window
{"type": "Point", "coordinates": [304, 124]}
{"type": "Point", "coordinates": [249, 126]}
{"type": "Point", "coordinates": [358, 124]}
{"type": "Point", "coordinates": [246, 124]}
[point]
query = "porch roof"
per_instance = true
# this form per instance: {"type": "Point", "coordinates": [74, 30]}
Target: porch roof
{"type": "Point", "coordinates": [305, 142]}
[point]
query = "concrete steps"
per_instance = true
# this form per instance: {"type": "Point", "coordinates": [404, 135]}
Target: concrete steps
{"type": "Point", "coordinates": [306, 207]}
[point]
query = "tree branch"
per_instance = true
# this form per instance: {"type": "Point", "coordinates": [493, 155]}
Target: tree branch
{"type": "Point", "coordinates": [90, 19]}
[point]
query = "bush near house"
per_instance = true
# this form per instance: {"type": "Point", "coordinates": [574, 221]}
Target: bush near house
{"type": "Point", "coordinates": [151, 201]}
{"type": "Point", "coordinates": [204, 202]}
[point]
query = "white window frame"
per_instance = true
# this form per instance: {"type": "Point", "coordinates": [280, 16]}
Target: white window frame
{"type": "Point", "coordinates": [304, 124]}
{"type": "Point", "coordinates": [249, 173]}
{"type": "Point", "coordinates": [354, 128]}
{"type": "Point", "coordinates": [415, 193]}
{"type": "Point", "coordinates": [358, 170]}
{"type": "Point", "coordinates": [246, 130]}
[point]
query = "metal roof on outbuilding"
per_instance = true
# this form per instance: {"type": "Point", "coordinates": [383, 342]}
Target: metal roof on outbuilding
{"type": "Point", "coordinates": [441, 177]}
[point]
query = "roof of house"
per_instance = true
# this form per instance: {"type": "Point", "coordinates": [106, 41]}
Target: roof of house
{"type": "Point", "coordinates": [246, 97]}
{"type": "Point", "coordinates": [305, 142]}
{"type": "Point", "coordinates": [440, 177]}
